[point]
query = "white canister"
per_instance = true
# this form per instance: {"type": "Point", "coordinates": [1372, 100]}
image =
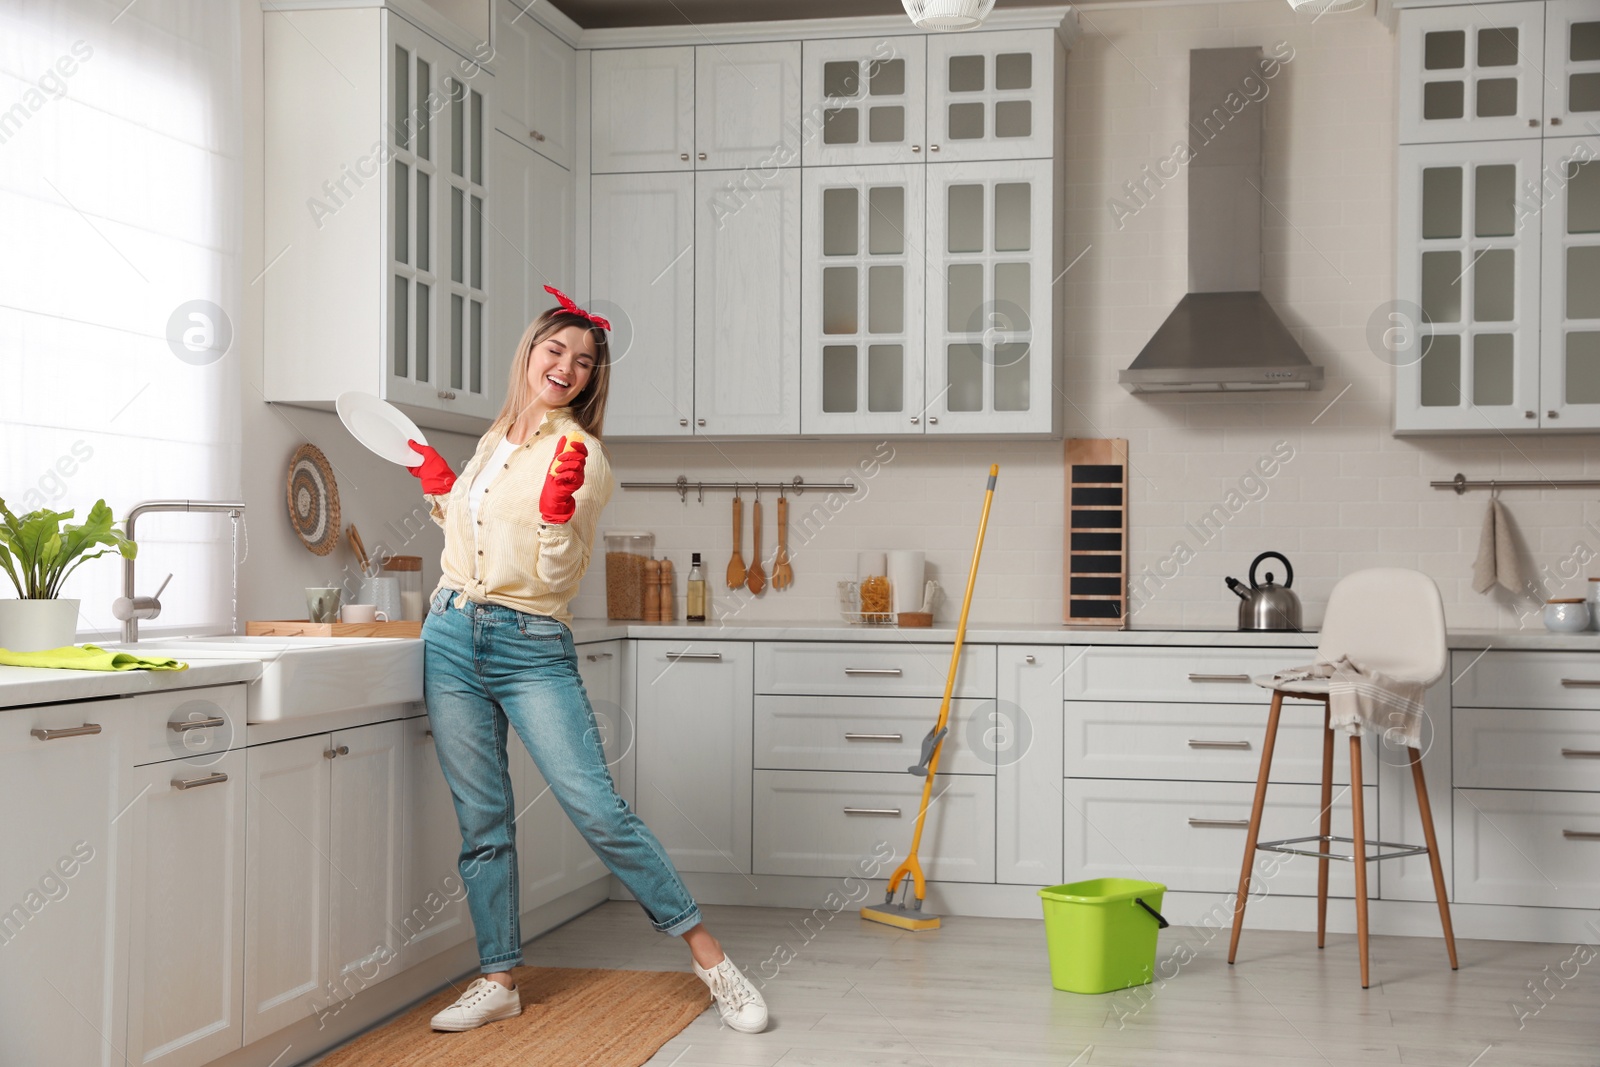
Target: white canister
{"type": "Point", "coordinates": [1566, 616]}
{"type": "Point", "coordinates": [905, 579]}
{"type": "Point", "coordinates": [384, 594]}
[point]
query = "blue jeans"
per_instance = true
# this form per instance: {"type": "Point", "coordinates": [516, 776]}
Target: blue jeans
{"type": "Point", "coordinates": [486, 665]}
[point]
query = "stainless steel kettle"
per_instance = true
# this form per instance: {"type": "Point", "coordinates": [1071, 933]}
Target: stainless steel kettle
{"type": "Point", "coordinates": [1270, 606]}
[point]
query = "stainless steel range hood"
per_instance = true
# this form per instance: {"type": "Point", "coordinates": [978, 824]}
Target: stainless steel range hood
{"type": "Point", "coordinates": [1223, 335]}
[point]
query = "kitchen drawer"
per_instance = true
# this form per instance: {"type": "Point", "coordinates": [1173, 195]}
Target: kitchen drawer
{"type": "Point", "coordinates": [1526, 680]}
{"type": "Point", "coordinates": [827, 822]}
{"type": "Point", "coordinates": [1203, 742]}
{"type": "Point", "coordinates": [1190, 835]}
{"type": "Point", "coordinates": [1535, 748]}
{"type": "Point", "coordinates": [203, 738]}
{"type": "Point", "coordinates": [877, 734]}
{"type": "Point", "coordinates": [1189, 675]}
{"type": "Point", "coordinates": [870, 668]}
{"type": "Point", "coordinates": [1527, 848]}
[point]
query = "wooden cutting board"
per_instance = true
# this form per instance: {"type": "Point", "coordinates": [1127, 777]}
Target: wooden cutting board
{"type": "Point", "coordinates": [301, 628]}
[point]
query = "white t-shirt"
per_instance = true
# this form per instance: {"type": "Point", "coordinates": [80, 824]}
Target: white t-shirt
{"type": "Point", "coordinates": [480, 485]}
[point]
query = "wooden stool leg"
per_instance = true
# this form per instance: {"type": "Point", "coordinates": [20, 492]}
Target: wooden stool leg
{"type": "Point", "coordinates": [1359, 847]}
{"type": "Point", "coordinates": [1254, 833]}
{"type": "Point", "coordinates": [1325, 826]}
{"type": "Point", "coordinates": [1426, 814]}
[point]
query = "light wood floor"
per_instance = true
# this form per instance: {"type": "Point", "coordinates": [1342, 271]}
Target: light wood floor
{"type": "Point", "coordinates": [977, 992]}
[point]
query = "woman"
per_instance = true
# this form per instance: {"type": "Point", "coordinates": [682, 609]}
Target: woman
{"type": "Point", "coordinates": [519, 531]}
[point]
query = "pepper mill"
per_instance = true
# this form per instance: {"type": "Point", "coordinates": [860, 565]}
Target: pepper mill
{"type": "Point", "coordinates": [652, 590]}
{"type": "Point", "coordinates": [669, 607]}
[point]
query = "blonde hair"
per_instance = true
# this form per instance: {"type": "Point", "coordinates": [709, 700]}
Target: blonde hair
{"type": "Point", "coordinates": [588, 409]}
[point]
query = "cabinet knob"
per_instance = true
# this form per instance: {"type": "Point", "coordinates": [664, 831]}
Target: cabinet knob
{"type": "Point", "coordinates": [1533, 122]}
{"type": "Point", "coordinates": [344, 750]}
{"type": "Point", "coordinates": [1552, 414]}
{"type": "Point", "coordinates": [916, 148]}
{"type": "Point", "coordinates": [1530, 414]}
{"type": "Point", "coordinates": [683, 422]}
{"type": "Point", "coordinates": [701, 155]}
{"type": "Point", "coordinates": [933, 148]}
{"type": "Point", "coordinates": [1030, 659]}
{"type": "Point", "coordinates": [915, 420]}
{"type": "Point", "coordinates": [699, 422]}
{"type": "Point", "coordinates": [445, 394]}
{"type": "Point", "coordinates": [684, 156]}
{"type": "Point", "coordinates": [1555, 122]}
{"type": "Point", "coordinates": [933, 420]}
{"type": "Point", "coordinates": [536, 135]}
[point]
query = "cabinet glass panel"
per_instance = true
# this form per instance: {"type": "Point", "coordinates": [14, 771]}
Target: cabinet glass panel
{"type": "Point", "coordinates": [966, 74]}
{"type": "Point", "coordinates": [1441, 286]}
{"type": "Point", "coordinates": [886, 289]}
{"type": "Point", "coordinates": [458, 126]}
{"type": "Point", "coordinates": [964, 307]}
{"type": "Point", "coordinates": [886, 226]}
{"type": "Point", "coordinates": [1497, 47]}
{"type": "Point", "coordinates": [1443, 100]}
{"type": "Point", "coordinates": [475, 357]}
{"type": "Point", "coordinates": [1013, 70]}
{"type": "Point", "coordinates": [841, 78]}
{"type": "Point", "coordinates": [477, 242]}
{"type": "Point", "coordinates": [1012, 375]}
{"type": "Point", "coordinates": [886, 125]}
{"type": "Point", "coordinates": [1583, 197]}
{"type": "Point", "coordinates": [1494, 285]}
{"type": "Point", "coordinates": [402, 212]}
{"type": "Point", "coordinates": [1583, 42]}
{"type": "Point", "coordinates": [1583, 92]}
{"type": "Point", "coordinates": [1494, 202]}
{"type": "Point", "coordinates": [400, 98]}
{"type": "Point", "coordinates": [839, 222]}
{"type": "Point", "coordinates": [885, 377]}
{"type": "Point", "coordinates": [888, 78]}
{"type": "Point", "coordinates": [966, 122]}
{"type": "Point", "coordinates": [421, 112]}
{"type": "Point", "coordinates": [964, 371]}
{"type": "Point", "coordinates": [965, 219]}
{"type": "Point", "coordinates": [1012, 209]}
{"type": "Point", "coordinates": [1013, 118]}
{"type": "Point", "coordinates": [1441, 372]}
{"type": "Point", "coordinates": [1497, 97]}
{"type": "Point", "coordinates": [457, 232]}
{"type": "Point", "coordinates": [839, 378]}
{"type": "Point", "coordinates": [457, 320]}
{"type": "Point", "coordinates": [841, 125]}
{"type": "Point", "coordinates": [1492, 369]}
{"type": "Point", "coordinates": [1583, 282]}
{"type": "Point", "coordinates": [1441, 202]}
{"type": "Point", "coordinates": [402, 322]}
{"type": "Point", "coordinates": [1011, 296]}
{"type": "Point", "coordinates": [424, 329]}
{"type": "Point", "coordinates": [477, 138]}
{"type": "Point", "coordinates": [424, 219]}
{"type": "Point", "coordinates": [1444, 50]}
{"type": "Point", "coordinates": [839, 300]}
{"type": "Point", "coordinates": [1583, 367]}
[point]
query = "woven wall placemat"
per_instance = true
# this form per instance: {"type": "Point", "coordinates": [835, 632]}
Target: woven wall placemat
{"type": "Point", "coordinates": [570, 1018]}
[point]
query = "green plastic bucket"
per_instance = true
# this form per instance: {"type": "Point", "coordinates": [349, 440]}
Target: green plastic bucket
{"type": "Point", "coordinates": [1102, 933]}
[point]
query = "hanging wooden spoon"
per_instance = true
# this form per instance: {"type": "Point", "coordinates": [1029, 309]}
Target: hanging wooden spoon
{"type": "Point", "coordinates": [782, 573]}
{"type": "Point", "coordinates": [736, 564]}
{"type": "Point", "coordinates": [757, 579]}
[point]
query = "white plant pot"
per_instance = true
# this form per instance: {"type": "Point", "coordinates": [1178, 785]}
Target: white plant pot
{"type": "Point", "coordinates": [36, 625]}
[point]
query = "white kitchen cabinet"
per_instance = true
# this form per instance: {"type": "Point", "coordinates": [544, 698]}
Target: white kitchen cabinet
{"type": "Point", "coordinates": [642, 237]}
{"type": "Point", "coordinates": [694, 766]}
{"type": "Point", "coordinates": [186, 899]}
{"type": "Point", "coordinates": [535, 76]}
{"type": "Point", "coordinates": [1473, 72]}
{"type": "Point", "coordinates": [990, 238]}
{"type": "Point", "coordinates": [1399, 819]}
{"type": "Point", "coordinates": [824, 733]}
{"type": "Point", "coordinates": [542, 861]}
{"type": "Point", "coordinates": [57, 884]}
{"type": "Point", "coordinates": [376, 207]}
{"type": "Point", "coordinates": [1021, 733]}
{"type": "Point", "coordinates": [1527, 847]}
{"type": "Point", "coordinates": [864, 101]}
{"type": "Point", "coordinates": [994, 95]}
{"type": "Point", "coordinates": [1469, 259]}
{"type": "Point", "coordinates": [1569, 341]}
{"type": "Point", "coordinates": [436, 916]}
{"type": "Point", "coordinates": [1571, 65]}
{"type": "Point", "coordinates": [287, 830]}
{"type": "Point", "coordinates": [747, 303]}
{"type": "Point", "coordinates": [747, 106]}
{"type": "Point", "coordinates": [366, 845]}
{"type": "Point", "coordinates": [605, 668]}
{"type": "Point", "coordinates": [871, 669]}
{"type": "Point", "coordinates": [531, 244]}
{"type": "Point", "coordinates": [862, 293]}
{"type": "Point", "coordinates": [642, 110]}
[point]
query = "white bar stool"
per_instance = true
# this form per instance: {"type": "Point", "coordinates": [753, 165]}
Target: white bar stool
{"type": "Point", "coordinates": [1386, 619]}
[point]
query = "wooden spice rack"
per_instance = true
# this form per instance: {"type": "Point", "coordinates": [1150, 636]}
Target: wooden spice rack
{"type": "Point", "coordinates": [302, 628]}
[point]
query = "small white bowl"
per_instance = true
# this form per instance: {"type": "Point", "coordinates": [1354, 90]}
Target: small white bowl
{"type": "Point", "coordinates": [1566, 617]}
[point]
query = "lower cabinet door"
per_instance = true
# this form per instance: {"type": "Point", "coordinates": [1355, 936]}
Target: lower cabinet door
{"type": "Point", "coordinates": [435, 902]}
{"type": "Point", "coordinates": [1529, 848]}
{"type": "Point", "coordinates": [1190, 835]}
{"type": "Point", "coordinates": [286, 884]}
{"type": "Point", "coordinates": [541, 827]}
{"type": "Point", "coordinates": [826, 823]}
{"type": "Point", "coordinates": [185, 966]}
{"type": "Point", "coordinates": [366, 828]}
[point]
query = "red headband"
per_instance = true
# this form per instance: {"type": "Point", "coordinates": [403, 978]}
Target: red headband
{"type": "Point", "coordinates": [568, 305]}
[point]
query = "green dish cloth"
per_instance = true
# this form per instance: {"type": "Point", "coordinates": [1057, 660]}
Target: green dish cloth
{"type": "Point", "coordinates": [89, 658]}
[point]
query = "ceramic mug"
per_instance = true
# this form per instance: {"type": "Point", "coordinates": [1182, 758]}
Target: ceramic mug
{"type": "Point", "coordinates": [384, 594]}
{"type": "Point", "coordinates": [322, 603]}
{"type": "Point", "coordinates": [362, 613]}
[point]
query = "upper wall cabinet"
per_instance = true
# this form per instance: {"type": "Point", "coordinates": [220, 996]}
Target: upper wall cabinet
{"type": "Point", "coordinates": [535, 77]}
{"type": "Point", "coordinates": [375, 193]}
{"type": "Point", "coordinates": [865, 101]}
{"type": "Point", "coordinates": [1572, 65]}
{"type": "Point", "coordinates": [1570, 387]}
{"type": "Point", "coordinates": [532, 241]}
{"type": "Point", "coordinates": [642, 109]}
{"type": "Point", "coordinates": [993, 95]}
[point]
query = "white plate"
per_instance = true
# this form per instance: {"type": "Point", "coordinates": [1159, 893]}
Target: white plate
{"type": "Point", "coordinates": [380, 426]}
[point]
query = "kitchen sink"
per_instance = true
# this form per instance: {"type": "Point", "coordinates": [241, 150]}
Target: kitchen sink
{"type": "Point", "coordinates": [306, 676]}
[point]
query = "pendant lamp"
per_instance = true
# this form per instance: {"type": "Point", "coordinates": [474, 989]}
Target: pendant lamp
{"type": "Point", "coordinates": [948, 14]}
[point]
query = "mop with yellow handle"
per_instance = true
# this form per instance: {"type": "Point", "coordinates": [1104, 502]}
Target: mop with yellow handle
{"type": "Point", "coordinates": [913, 917]}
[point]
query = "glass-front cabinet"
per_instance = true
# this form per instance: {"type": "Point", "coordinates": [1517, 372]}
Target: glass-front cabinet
{"type": "Point", "coordinates": [1472, 72]}
{"type": "Point", "coordinates": [864, 101]}
{"type": "Point", "coordinates": [989, 311]}
{"type": "Point", "coordinates": [1570, 388]}
{"type": "Point", "coordinates": [862, 299]}
{"type": "Point", "coordinates": [1572, 66]}
{"type": "Point", "coordinates": [992, 95]}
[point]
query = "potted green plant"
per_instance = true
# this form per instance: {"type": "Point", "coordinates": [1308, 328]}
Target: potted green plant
{"type": "Point", "coordinates": [38, 551]}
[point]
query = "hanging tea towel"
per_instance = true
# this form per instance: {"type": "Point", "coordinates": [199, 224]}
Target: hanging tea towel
{"type": "Point", "coordinates": [1498, 562]}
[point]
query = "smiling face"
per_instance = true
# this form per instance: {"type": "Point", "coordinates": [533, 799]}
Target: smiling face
{"type": "Point", "coordinates": [560, 366]}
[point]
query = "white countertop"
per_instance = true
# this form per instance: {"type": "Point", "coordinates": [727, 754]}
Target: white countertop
{"type": "Point", "coordinates": [35, 685]}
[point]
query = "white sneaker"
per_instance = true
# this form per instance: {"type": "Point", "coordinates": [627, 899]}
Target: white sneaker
{"type": "Point", "coordinates": [483, 1002]}
{"type": "Point", "coordinates": [739, 1002]}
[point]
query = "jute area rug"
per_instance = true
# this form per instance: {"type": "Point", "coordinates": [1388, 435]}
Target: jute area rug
{"type": "Point", "coordinates": [570, 1018]}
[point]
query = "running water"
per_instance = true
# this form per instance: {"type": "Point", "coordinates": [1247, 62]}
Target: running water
{"type": "Point", "coordinates": [239, 528]}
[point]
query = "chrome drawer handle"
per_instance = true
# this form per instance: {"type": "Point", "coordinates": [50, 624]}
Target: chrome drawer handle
{"type": "Point", "coordinates": [892, 812]}
{"type": "Point", "coordinates": [427, 733]}
{"type": "Point", "coordinates": [68, 731]}
{"type": "Point", "coordinates": [872, 737]}
{"type": "Point", "coordinates": [196, 783]}
{"type": "Point", "coordinates": [196, 724]}
{"type": "Point", "coordinates": [707, 656]}
{"type": "Point", "coordinates": [1219, 677]}
{"type": "Point", "coordinates": [887, 672]}
{"type": "Point", "coordinates": [1220, 824]}
{"type": "Point", "coordinates": [1581, 835]}
{"type": "Point", "coordinates": [1581, 683]}
{"type": "Point", "coordinates": [1218, 744]}
{"type": "Point", "coordinates": [1581, 753]}
{"type": "Point", "coordinates": [596, 657]}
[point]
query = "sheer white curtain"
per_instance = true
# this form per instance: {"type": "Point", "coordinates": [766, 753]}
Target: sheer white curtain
{"type": "Point", "coordinates": [120, 219]}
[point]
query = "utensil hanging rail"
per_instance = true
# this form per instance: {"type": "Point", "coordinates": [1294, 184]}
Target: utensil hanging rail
{"type": "Point", "coordinates": [1460, 483]}
{"type": "Point", "coordinates": [799, 485]}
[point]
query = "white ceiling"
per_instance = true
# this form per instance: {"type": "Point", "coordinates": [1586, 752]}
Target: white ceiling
{"type": "Point", "coordinates": [594, 14]}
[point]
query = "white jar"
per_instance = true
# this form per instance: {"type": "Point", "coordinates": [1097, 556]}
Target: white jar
{"type": "Point", "coordinates": [1566, 616]}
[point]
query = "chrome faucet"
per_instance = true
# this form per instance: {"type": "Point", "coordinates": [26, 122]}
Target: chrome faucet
{"type": "Point", "coordinates": [130, 608]}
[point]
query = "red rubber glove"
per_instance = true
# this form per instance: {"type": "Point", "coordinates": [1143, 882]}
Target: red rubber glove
{"type": "Point", "coordinates": [434, 473]}
{"type": "Point", "coordinates": [565, 478]}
